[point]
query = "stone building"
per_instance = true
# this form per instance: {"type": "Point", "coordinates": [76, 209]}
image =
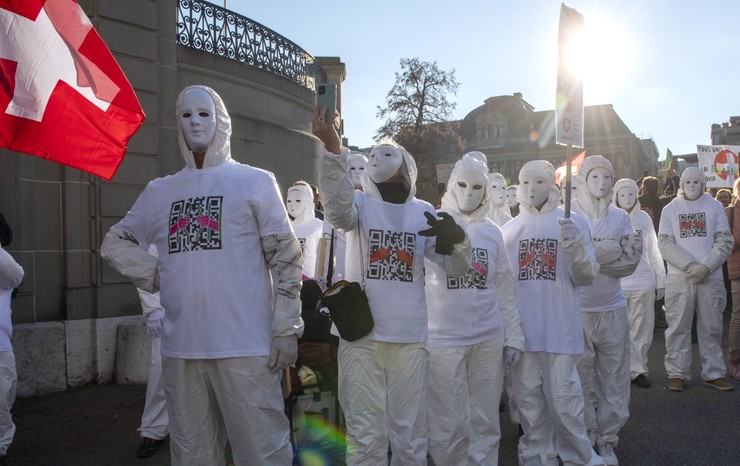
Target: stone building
{"type": "Point", "coordinates": [510, 132]}
{"type": "Point", "coordinates": [727, 133]}
{"type": "Point", "coordinates": [76, 321]}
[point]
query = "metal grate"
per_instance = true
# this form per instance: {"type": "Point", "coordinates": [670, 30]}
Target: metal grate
{"type": "Point", "coordinates": [210, 28]}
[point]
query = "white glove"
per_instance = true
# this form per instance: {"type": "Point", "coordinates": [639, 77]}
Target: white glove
{"type": "Point", "coordinates": [512, 357]}
{"type": "Point", "coordinates": [697, 272]}
{"type": "Point", "coordinates": [659, 294]}
{"type": "Point", "coordinates": [154, 323]}
{"type": "Point", "coordinates": [570, 234]}
{"type": "Point", "coordinates": [283, 353]}
{"type": "Point", "coordinates": [607, 250]}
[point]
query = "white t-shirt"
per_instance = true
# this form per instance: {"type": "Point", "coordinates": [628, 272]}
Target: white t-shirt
{"type": "Point", "coordinates": [549, 304]}
{"type": "Point", "coordinates": [693, 225]}
{"type": "Point", "coordinates": [393, 259]}
{"type": "Point", "coordinates": [214, 281]}
{"type": "Point", "coordinates": [650, 272]}
{"type": "Point", "coordinates": [465, 311]}
{"type": "Point", "coordinates": [11, 275]}
{"type": "Point", "coordinates": [605, 294]}
{"type": "Point", "coordinates": [309, 236]}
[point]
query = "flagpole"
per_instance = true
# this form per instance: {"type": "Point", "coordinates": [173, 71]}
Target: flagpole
{"type": "Point", "coordinates": [568, 163]}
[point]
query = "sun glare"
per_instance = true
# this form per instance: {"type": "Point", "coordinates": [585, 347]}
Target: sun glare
{"type": "Point", "coordinates": [601, 55]}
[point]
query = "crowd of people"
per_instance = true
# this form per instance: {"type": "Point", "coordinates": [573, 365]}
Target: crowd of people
{"type": "Point", "coordinates": [496, 297]}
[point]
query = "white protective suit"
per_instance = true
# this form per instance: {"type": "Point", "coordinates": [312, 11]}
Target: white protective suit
{"type": "Point", "coordinates": [11, 275]}
{"type": "Point", "coordinates": [307, 227]}
{"type": "Point", "coordinates": [640, 287]}
{"type": "Point", "coordinates": [471, 320]}
{"type": "Point", "coordinates": [548, 268]}
{"type": "Point", "coordinates": [154, 419]}
{"type": "Point", "coordinates": [604, 366]}
{"type": "Point", "coordinates": [500, 212]}
{"type": "Point", "coordinates": [382, 377]}
{"type": "Point", "coordinates": [219, 231]}
{"type": "Point", "coordinates": [691, 233]}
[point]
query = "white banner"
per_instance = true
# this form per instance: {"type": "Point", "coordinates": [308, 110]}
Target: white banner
{"type": "Point", "coordinates": [569, 93]}
{"type": "Point", "coordinates": [720, 164]}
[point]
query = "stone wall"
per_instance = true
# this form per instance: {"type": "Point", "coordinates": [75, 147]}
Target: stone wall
{"type": "Point", "coordinates": [70, 303]}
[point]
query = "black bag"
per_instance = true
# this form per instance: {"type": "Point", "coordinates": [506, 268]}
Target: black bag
{"type": "Point", "coordinates": [348, 309]}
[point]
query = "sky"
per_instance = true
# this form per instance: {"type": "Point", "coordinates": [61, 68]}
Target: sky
{"type": "Point", "coordinates": [670, 69]}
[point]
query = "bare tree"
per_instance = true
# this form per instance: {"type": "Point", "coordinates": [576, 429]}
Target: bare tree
{"type": "Point", "coordinates": [418, 98]}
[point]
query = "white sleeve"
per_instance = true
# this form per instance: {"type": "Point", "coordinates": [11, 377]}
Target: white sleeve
{"type": "Point", "coordinates": [337, 189]}
{"type": "Point", "coordinates": [127, 257]}
{"type": "Point", "coordinates": [506, 294]}
{"type": "Point", "coordinates": [149, 302]}
{"type": "Point", "coordinates": [653, 255]}
{"type": "Point", "coordinates": [11, 273]}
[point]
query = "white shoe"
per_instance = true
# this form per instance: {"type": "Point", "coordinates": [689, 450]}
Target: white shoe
{"type": "Point", "coordinates": [606, 451]}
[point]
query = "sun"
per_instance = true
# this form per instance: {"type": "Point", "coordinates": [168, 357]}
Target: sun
{"type": "Point", "coordinates": [602, 54]}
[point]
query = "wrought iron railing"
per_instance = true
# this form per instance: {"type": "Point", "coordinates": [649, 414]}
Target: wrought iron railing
{"type": "Point", "coordinates": [204, 26]}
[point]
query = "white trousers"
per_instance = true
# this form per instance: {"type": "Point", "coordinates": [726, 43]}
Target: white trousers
{"type": "Point", "coordinates": [8, 384]}
{"type": "Point", "coordinates": [211, 401]}
{"type": "Point", "coordinates": [464, 391]}
{"type": "Point", "coordinates": [641, 319]}
{"type": "Point", "coordinates": [154, 419]}
{"type": "Point", "coordinates": [550, 402]}
{"type": "Point", "coordinates": [604, 369]}
{"type": "Point", "coordinates": [382, 390]}
{"type": "Point", "coordinates": [682, 297]}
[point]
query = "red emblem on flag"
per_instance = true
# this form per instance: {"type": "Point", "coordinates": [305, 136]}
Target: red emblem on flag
{"type": "Point", "coordinates": [63, 97]}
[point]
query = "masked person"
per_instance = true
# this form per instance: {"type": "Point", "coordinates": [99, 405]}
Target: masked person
{"type": "Point", "coordinates": [307, 228]}
{"type": "Point", "coordinates": [474, 330]}
{"type": "Point", "coordinates": [604, 366]}
{"type": "Point", "coordinates": [500, 212]}
{"type": "Point", "coordinates": [694, 238]}
{"type": "Point", "coordinates": [220, 228]}
{"type": "Point", "coordinates": [511, 200]}
{"type": "Point", "coordinates": [644, 285]}
{"type": "Point", "coordinates": [550, 257]}
{"type": "Point", "coordinates": [382, 377]}
{"type": "Point", "coordinates": [573, 192]}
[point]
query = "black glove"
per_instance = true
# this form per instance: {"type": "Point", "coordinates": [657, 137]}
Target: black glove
{"type": "Point", "coordinates": [448, 232]}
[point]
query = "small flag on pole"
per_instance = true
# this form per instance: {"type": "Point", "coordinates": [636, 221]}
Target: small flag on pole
{"type": "Point", "coordinates": [63, 97]}
{"type": "Point", "coordinates": [668, 158]}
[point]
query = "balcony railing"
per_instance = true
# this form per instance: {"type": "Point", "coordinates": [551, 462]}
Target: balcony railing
{"type": "Point", "coordinates": [210, 28]}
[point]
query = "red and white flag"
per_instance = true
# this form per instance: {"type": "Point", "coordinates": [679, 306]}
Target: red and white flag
{"type": "Point", "coordinates": [63, 97]}
{"type": "Point", "coordinates": [576, 163]}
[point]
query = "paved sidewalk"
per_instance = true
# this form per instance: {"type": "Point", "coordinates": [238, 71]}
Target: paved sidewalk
{"type": "Point", "coordinates": [96, 425]}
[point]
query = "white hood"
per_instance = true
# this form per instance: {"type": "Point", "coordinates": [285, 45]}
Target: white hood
{"type": "Point", "coordinates": [449, 199]}
{"type": "Point", "coordinates": [220, 149]}
{"type": "Point", "coordinates": [626, 183]}
{"type": "Point", "coordinates": [591, 206]}
{"type": "Point", "coordinates": [408, 171]}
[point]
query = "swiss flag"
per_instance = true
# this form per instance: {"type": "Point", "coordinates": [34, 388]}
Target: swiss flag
{"type": "Point", "coordinates": [576, 162]}
{"type": "Point", "coordinates": [63, 97]}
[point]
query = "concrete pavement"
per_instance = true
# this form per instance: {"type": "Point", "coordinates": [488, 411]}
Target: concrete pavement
{"type": "Point", "coordinates": [96, 425]}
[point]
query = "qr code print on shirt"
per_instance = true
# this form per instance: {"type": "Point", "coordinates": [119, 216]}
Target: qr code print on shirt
{"type": "Point", "coordinates": [692, 225]}
{"type": "Point", "coordinates": [391, 255]}
{"type": "Point", "coordinates": [537, 259]}
{"type": "Point", "coordinates": [302, 242]}
{"type": "Point", "coordinates": [195, 224]}
{"type": "Point", "coordinates": [477, 275]}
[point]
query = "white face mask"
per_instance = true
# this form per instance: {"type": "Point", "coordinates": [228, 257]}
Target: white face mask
{"type": "Point", "coordinates": [383, 163]}
{"type": "Point", "coordinates": [198, 119]}
{"type": "Point", "coordinates": [599, 182]}
{"type": "Point", "coordinates": [298, 203]}
{"type": "Point", "coordinates": [469, 191]}
{"type": "Point", "coordinates": [692, 189]}
{"type": "Point", "coordinates": [626, 198]}
{"type": "Point", "coordinates": [497, 192]}
{"type": "Point", "coordinates": [573, 192]}
{"type": "Point", "coordinates": [356, 169]}
{"type": "Point", "coordinates": [535, 188]}
{"type": "Point", "coordinates": [511, 198]}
